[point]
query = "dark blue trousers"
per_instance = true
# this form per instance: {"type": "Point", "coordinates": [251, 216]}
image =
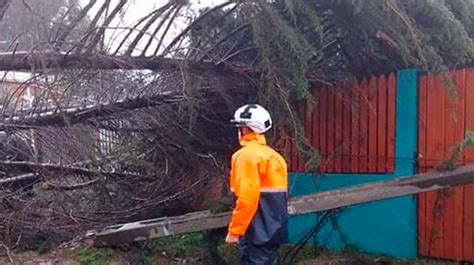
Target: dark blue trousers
{"type": "Point", "coordinates": [251, 254]}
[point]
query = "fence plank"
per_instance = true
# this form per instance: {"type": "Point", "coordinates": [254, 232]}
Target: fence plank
{"type": "Point", "coordinates": [364, 130]}
{"type": "Point", "coordinates": [355, 110]}
{"type": "Point", "coordinates": [302, 116]}
{"type": "Point", "coordinates": [330, 124]}
{"type": "Point", "coordinates": [458, 198]}
{"type": "Point", "coordinates": [382, 124]}
{"type": "Point", "coordinates": [468, 226]}
{"type": "Point", "coordinates": [323, 128]}
{"type": "Point", "coordinates": [431, 102]}
{"type": "Point", "coordinates": [308, 124]}
{"type": "Point", "coordinates": [315, 119]}
{"type": "Point", "coordinates": [339, 141]}
{"type": "Point", "coordinates": [391, 114]}
{"type": "Point", "coordinates": [347, 127]}
{"type": "Point", "coordinates": [422, 218]}
{"type": "Point", "coordinates": [448, 143]}
{"type": "Point", "coordinates": [372, 123]}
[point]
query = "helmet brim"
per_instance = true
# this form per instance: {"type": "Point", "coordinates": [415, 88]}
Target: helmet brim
{"type": "Point", "coordinates": [237, 123]}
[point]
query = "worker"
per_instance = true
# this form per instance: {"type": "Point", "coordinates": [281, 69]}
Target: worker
{"type": "Point", "coordinates": [258, 179]}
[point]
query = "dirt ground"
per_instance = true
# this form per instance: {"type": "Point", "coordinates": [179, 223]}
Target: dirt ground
{"type": "Point", "coordinates": [80, 255]}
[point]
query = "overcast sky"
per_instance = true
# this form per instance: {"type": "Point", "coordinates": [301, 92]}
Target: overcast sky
{"type": "Point", "coordinates": [137, 9]}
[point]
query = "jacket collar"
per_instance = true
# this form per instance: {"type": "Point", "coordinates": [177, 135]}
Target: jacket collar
{"type": "Point", "coordinates": [252, 137]}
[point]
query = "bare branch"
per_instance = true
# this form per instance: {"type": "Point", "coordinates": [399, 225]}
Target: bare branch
{"type": "Point", "coordinates": [7, 249]}
{"type": "Point", "coordinates": [60, 41]}
{"type": "Point", "coordinates": [4, 4]}
{"type": "Point", "coordinates": [192, 25]}
{"type": "Point", "coordinates": [50, 186]}
{"type": "Point", "coordinates": [29, 176]}
{"type": "Point", "coordinates": [139, 36]}
{"type": "Point", "coordinates": [107, 21]}
{"type": "Point", "coordinates": [92, 26]}
{"type": "Point", "coordinates": [176, 12]}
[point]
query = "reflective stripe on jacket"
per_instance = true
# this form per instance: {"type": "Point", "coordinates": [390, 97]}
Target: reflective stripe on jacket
{"type": "Point", "coordinates": [258, 179]}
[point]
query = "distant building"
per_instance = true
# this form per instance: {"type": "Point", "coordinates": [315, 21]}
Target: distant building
{"type": "Point", "coordinates": [16, 91]}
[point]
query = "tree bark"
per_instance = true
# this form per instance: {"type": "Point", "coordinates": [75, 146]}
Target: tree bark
{"type": "Point", "coordinates": [33, 167]}
{"type": "Point", "coordinates": [76, 115]}
{"type": "Point", "coordinates": [51, 60]}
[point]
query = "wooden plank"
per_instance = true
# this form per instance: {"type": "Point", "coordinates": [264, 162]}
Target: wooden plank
{"type": "Point", "coordinates": [422, 214]}
{"type": "Point", "coordinates": [422, 238]}
{"type": "Point", "coordinates": [422, 123]}
{"type": "Point", "coordinates": [460, 109]}
{"type": "Point", "coordinates": [469, 111]}
{"type": "Point", "coordinates": [382, 124]}
{"type": "Point", "coordinates": [429, 227]}
{"type": "Point", "coordinates": [449, 141]}
{"type": "Point", "coordinates": [458, 198]}
{"type": "Point", "coordinates": [364, 127]}
{"type": "Point", "coordinates": [355, 126]}
{"type": "Point", "coordinates": [293, 161]}
{"type": "Point", "coordinates": [303, 113]}
{"type": "Point", "coordinates": [438, 129]}
{"type": "Point", "coordinates": [431, 121]}
{"type": "Point", "coordinates": [391, 114]}
{"type": "Point", "coordinates": [338, 143]}
{"type": "Point", "coordinates": [331, 132]}
{"type": "Point", "coordinates": [372, 124]}
{"type": "Point", "coordinates": [323, 128]}
{"type": "Point", "coordinates": [457, 225]}
{"type": "Point", "coordinates": [148, 229]}
{"type": "Point", "coordinates": [315, 119]}
{"type": "Point", "coordinates": [468, 225]}
{"type": "Point", "coordinates": [468, 211]}
{"type": "Point", "coordinates": [308, 125]}
{"type": "Point", "coordinates": [347, 127]}
{"type": "Point", "coordinates": [428, 158]}
{"type": "Point", "coordinates": [160, 227]}
{"type": "Point", "coordinates": [439, 113]}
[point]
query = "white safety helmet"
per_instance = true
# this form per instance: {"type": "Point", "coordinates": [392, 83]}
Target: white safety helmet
{"type": "Point", "coordinates": [253, 116]}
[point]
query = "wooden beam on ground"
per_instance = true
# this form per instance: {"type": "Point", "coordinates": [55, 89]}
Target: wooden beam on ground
{"type": "Point", "coordinates": [323, 201]}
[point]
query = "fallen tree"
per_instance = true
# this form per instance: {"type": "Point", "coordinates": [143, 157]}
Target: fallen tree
{"type": "Point", "coordinates": [72, 115]}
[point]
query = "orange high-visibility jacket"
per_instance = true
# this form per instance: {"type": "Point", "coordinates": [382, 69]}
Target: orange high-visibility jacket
{"type": "Point", "coordinates": [259, 182]}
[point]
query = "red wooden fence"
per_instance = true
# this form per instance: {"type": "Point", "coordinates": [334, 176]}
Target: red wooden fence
{"type": "Point", "coordinates": [352, 127]}
{"type": "Point", "coordinates": [445, 220]}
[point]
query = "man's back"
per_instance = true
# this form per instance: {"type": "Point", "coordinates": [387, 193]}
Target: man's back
{"type": "Point", "coordinates": [260, 173]}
